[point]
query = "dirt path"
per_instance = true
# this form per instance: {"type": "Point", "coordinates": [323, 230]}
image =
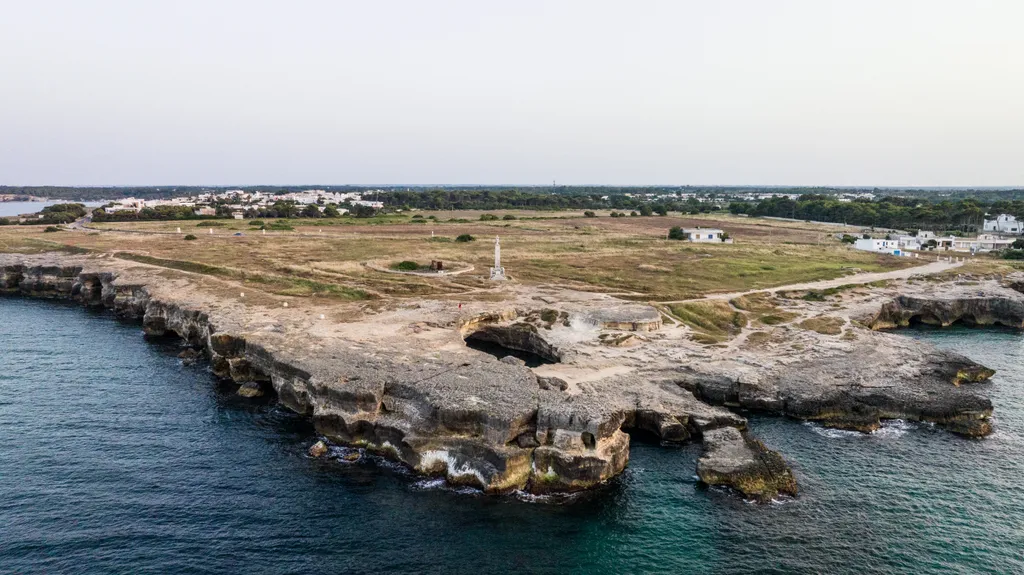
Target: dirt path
{"type": "Point", "coordinates": [863, 278]}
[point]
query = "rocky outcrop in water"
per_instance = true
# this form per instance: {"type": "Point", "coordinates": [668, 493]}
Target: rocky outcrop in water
{"type": "Point", "coordinates": [403, 384]}
{"type": "Point", "coordinates": [472, 419]}
{"type": "Point", "coordinates": [735, 460]}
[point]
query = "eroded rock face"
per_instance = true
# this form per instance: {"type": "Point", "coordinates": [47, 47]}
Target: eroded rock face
{"type": "Point", "coordinates": [858, 389]}
{"type": "Point", "coordinates": [734, 459]}
{"type": "Point", "coordinates": [945, 311]}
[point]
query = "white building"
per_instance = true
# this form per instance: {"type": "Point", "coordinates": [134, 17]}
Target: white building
{"type": "Point", "coordinates": [879, 246]}
{"type": "Point", "coordinates": [1004, 224]}
{"type": "Point", "coordinates": [705, 235]}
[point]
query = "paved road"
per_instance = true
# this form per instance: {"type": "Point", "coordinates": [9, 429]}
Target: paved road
{"type": "Point", "coordinates": [863, 278]}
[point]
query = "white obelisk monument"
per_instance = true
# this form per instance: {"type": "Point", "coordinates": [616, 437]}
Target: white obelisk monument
{"type": "Point", "coordinates": [497, 272]}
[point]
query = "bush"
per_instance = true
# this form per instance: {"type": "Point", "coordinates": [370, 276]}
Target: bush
{"type": "Point", "coordinates": [676, 233]}
{"type": "Point", "coordinates": [589, 214]}
{"type": "Point", "coordinates": [417, 217]}
{"type": "Point", "coordinates": [1013, 254]}
{"type": "Point", "coordinates": [488, 217]}
{"type": "Point", "coordinates": [633, 214]}
{"type": "Point", "coordinates": [465, 238]}
{"type": "Point", "coordinates": [279, 226]}
{"type": "Point", "coordinates": [257, 223]}
{"type": "Point", "coordinates": [508, 217]}
{"type": "Point", "coordinates": [1018, 244]}
{"type": "Point", "coordinates": [210, 224]}
{"type": "Point", "coordinates": [51, 229]}
{"type": "Point", "coordinates": [406, 266]}
{"type": "Point", "coordinates": [848, 239]}
{"type": "Point", "coordinates": [190, 237]}
{"type": "Point", "coordinates": [440, 239]}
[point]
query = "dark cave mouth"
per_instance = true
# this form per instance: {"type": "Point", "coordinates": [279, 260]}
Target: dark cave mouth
{"type": "Point", "coordinates": [499, 351]}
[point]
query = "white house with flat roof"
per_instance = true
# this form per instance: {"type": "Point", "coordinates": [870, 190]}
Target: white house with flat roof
{"type": "Point", "coordinates": [879, 246]}
{"type": "Point", "coordinates": [1004, 224]}
{"type": "Point", "coordinates": [705, 235]}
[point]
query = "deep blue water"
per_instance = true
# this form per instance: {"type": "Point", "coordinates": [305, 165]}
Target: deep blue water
{"type": "Point", "coordinates": [115, 458]}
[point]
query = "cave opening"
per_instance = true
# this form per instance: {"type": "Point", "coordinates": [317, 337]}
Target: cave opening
{"type": "Point", "coordinates": [474, 341]}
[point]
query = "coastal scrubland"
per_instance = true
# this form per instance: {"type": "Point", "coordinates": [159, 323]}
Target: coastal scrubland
{"type": "Point", "coordinates": [626, 256]}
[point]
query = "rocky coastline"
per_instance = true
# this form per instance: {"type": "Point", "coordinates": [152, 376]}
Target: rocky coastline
{"type": "Point", "coordinates": [402, 383]}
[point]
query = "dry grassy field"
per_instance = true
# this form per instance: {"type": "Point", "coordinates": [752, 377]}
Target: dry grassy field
{"type": "Point", "coordinates": [628, 256]}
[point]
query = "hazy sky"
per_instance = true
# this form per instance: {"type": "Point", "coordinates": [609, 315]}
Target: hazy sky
{"type": "Point", "coordinates": [853, 92]}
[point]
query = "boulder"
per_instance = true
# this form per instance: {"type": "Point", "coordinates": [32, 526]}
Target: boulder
{"type": "Point", "coordinates": [318, 449]}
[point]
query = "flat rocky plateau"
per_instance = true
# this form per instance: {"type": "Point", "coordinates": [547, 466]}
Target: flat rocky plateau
{"type": "Point", "coordinates": [397, 377]}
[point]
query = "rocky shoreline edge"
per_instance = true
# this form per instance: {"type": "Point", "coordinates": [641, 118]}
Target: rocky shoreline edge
{"type": "Point", "coordinates": [416, 395]}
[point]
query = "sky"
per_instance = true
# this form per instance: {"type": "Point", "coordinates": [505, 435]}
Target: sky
{"type": "Point", "coordinates": [772, 92]}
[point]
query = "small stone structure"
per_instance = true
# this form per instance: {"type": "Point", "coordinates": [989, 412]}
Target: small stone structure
{"type": "Point", "coordinates": [497, 272]}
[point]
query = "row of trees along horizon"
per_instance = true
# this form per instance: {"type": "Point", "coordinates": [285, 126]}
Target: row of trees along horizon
{"type": "Point", "coordinates": [963, 215]}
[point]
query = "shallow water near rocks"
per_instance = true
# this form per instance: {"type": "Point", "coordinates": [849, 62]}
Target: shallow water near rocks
{"type": "Point", "coordinates": [115, 458]}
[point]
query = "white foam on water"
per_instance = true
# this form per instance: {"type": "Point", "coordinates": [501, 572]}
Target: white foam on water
{"type": "Point", "coordinates": [830, 432]}
{"type": "Point", "coordinates": [454, 470]}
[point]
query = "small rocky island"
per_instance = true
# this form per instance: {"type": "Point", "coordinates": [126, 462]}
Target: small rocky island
{"type": "Point", "coordinates": [399, 379]}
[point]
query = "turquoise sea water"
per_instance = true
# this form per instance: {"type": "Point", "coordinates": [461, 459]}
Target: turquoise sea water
{"type": "Point", "coordinates": [115, 458]}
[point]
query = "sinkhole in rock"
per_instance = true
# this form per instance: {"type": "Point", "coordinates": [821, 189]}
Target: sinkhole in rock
{"type": "Point", "coordinates": [499, 351]}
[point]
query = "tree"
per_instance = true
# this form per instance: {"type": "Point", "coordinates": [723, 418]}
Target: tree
{"type": "Point", "coordinates": [660, 209]}
{"type": "Point", "coordinates": [1018, 244]}
{"type": "Point", "coordinates": [331, 212]}
{"type": "Point", "coordinates": [645, 210]}
{"type": "Point", "coordinates": [311, 211]}
{"type": "Point", "coordinates": [676, 233]}
{"type": "Point", "coordinates": [362, 211]}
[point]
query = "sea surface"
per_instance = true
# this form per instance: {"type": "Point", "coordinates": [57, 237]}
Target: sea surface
{"type": "Point", "coordinates": [116, 458]}
{"type": "Point", "coordinates": [18, 208]}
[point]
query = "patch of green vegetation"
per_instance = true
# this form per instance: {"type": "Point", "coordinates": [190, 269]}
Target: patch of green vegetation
{"type": "Point", "coordinates": [257, 223]}
{"type": "Point", "coordinates": [190, 237]}
{"type": "Point", "coordinates": [405, 266]}
{"type": "Point", "coordinates": [441, 239]}
{"type": "Point", "coordinates": [210, 224]}
{"type": "Point", "coordinates": [465, 238]}
{"type": "Point", "coordinates": [279, 226]}
{"type": "Point", "coordinates": [827, 325]}
{"type": "Point", "coordinates": [712, 321]}
{"type": "Point", "coordinates": [51, 229]}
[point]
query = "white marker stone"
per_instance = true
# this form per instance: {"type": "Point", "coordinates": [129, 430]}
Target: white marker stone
{"type": "Point", "coordinates": [285, 304]}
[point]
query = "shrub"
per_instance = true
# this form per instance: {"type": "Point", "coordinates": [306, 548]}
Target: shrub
{"type": "Point", "coordinates": [406, 266]}
{"type": "Point", "coordinates": [1013, 254]}
{"type": "Point", "coordinates": [190, 237]}
{"type": "Point", "coordinates": [488, 217]}
{"type": "Point", "coordinates": [51, 229]}
{"type": "Point", "coordinates": [257, 223]}
{"type": "Point", "coordinates": [848, 239]}
{"type": "Point", "coordinates": [1018, 244]}
{"type": "Point", "coordinates": [589, 214]}
{"type": "Point", "coordinates": [676, 233]}
{"type": "Point", "coordinates": [417, 217]}
{"type": "Point", "coordinates": [440, 239]}
{"type": "Point", "coordinates": [508, 217]}
{"type": "Point", "coordinates": [633, 214]}
{"type": "Point", "coordinates": [465, 238]}
{"type": "Point", "coordinates": [279, 226]}
{"type": "Point", "coordinates": [210, 224]}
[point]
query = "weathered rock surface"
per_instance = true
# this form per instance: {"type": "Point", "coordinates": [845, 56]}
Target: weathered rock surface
{"type": "Point", "coordinates": [1005, 309]}
{"type": "Point", "coordinates": [402, 382]}
{"type": "Point", "coordinates": [734, 459]}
